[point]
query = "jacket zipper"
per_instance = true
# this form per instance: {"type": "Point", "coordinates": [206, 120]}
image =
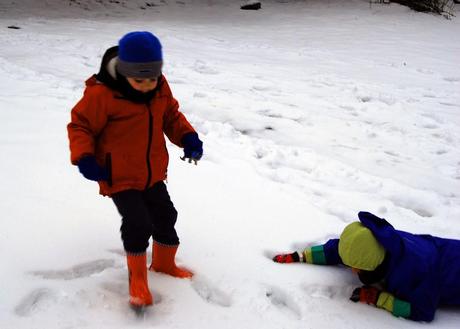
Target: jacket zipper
{"type": "Point", "coordinates": [149, 146]}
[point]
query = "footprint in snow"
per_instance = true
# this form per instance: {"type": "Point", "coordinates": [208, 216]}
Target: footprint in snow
{"type": "Point", "coordinates": [35, 300]}
{"type": "Point", "coordinates": [199, 95]}
{"type": "Point", "coordinates": [365, 99]}
{"type": "Point", "coordinates": [424, 71]}
{"type": "Point", "coordinates": [283, 301]}
{"type": "Point", "coordinates": [261, 88]}
{"type": "Point", "coordinates": [210, 293]}
{"type": "Point", "coordinates": [78, 271]}
{"type": "Point", "coordinates": [449, 104]}
{"type": "Point", "coordinates": [430, 126]}
{"type": "Point", "coordinates": [387, 99]}
{"type": "Point", "coordinates": [351, 110]}
{"type": "Point", "coordinates": [203, 68]}
{"type": "Point", "coordinates": [327, 292]}
{"type": "Point", "coordinates": [412, 205]}
{"type": "Point", "coordinates": [452, 79]}
{"type": "Point", "coordinates": [391, 153]}
{"type": "Point", "coordinates": [432, 117]}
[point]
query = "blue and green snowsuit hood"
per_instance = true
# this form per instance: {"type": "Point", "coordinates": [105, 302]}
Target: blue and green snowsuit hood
{"type": "Point", "coordinates": [423, 270]}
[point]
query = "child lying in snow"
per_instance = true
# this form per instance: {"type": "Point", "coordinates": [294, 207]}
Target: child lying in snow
{"type": "Point", "coordinates": [418, 272]}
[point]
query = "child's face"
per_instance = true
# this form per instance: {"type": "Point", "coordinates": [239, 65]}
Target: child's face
{"type": "Point", "coordinates": [143, 85]}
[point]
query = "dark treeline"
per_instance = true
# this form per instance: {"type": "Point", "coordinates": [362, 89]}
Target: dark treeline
{"type": "Point", "coordinates": [442, 7]}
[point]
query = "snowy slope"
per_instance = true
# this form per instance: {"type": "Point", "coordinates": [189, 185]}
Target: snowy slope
{"type": "Point", "coordinates": [309, 111]}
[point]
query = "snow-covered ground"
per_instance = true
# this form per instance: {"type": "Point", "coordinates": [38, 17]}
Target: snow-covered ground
{"type": "Point", "coordinates": [310, 111]}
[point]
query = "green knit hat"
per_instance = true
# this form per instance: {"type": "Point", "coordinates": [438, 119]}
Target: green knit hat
{"type": "Point", "coordinates": [359, 248]}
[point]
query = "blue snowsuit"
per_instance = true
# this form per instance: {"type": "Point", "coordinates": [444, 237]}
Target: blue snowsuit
{"type": "Point", "coordinates": [423, 270]}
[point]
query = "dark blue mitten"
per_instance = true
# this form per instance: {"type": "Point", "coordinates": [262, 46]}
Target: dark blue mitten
{"type": "Point", "coordinates": [193, 147]}
{"type": "Point", "coordinates": [90, 169]}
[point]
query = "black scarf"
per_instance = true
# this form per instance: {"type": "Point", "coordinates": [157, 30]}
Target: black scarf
{"type": "Point", "coordinates": [377, 275]}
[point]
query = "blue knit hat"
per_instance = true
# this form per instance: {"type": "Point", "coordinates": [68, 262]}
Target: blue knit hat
{"type": "Point", "coordinates": [139, 55]}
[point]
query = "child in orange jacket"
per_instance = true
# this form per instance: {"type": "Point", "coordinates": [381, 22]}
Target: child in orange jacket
{"type": "Point", "coordinates": [117, 138]}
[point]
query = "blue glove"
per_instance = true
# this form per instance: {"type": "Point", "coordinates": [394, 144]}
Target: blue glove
{"type": "Point", "coordinates": [193, 147]}
{"type": "Point", "coordinates": [91, 170]}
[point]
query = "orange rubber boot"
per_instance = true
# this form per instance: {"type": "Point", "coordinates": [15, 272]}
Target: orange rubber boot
{"type": "Point", "coordinates": [139, 293]}
{"type": "Point", "coordinates": [163, 261]}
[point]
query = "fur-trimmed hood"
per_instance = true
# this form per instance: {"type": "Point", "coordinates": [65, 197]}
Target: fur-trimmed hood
{"type": "Point", "coordinates": [109, 76]}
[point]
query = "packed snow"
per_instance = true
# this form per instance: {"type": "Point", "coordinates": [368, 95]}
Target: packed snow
{"type": "Point", "coordinates": [310, 111]}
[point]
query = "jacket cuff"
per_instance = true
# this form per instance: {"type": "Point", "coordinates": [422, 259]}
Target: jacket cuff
{"type": "Point", "coordinates": [386, 301]}
{"type": "Point", "coordinates": [401, 308]}
{"type": "Point", "coordinates": [315, 255]}
{"type": "Point", "coordinates": [393, 305]}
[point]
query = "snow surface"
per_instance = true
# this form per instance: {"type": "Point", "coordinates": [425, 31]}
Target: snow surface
{"type": "Point", "coordinates": [310, 111]}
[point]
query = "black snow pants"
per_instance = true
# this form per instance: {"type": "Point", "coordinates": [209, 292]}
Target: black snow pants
{"type": "Point", "coordinates": [145, 214]}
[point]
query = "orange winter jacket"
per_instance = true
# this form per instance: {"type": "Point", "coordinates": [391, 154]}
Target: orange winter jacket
{"type": "Point", "coordinates": [127, 138]}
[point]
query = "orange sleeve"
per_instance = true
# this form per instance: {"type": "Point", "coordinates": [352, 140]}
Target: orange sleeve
{"type": "Point", "coordinates": [88, 119]}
